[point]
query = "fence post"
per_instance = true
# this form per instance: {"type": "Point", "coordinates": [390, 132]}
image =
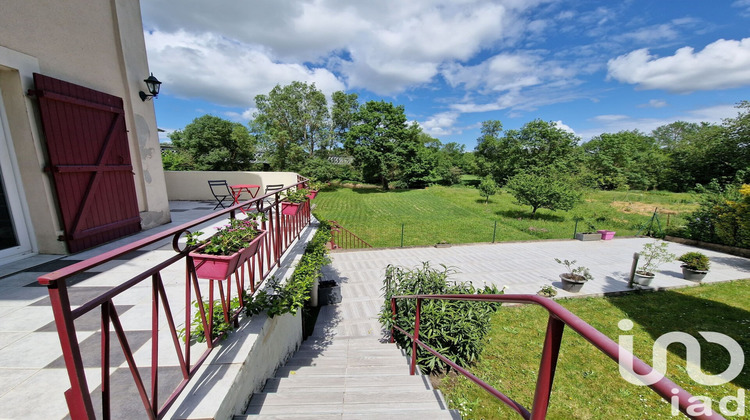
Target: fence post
{"type": "Point", "coordinates": [402, 235]}
{"type": "Point", "coordinates": [636, 256]}
{"type": "Point", "coordinates": [494, 232]}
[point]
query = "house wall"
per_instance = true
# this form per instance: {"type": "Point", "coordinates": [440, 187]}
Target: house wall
{"type": "Point", "coordinates": [99, 45]}
{"type": "Point", "coordinates": [193, 185]}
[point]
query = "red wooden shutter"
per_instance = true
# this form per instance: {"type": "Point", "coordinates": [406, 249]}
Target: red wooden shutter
{"type": "Point", "coordinates": [89, 158]}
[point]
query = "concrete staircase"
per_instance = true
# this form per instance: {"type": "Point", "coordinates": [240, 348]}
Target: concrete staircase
{"type": "Point", "coordinates": [345, 371]}
{"type": "Point", "coordinates": [347, 378]}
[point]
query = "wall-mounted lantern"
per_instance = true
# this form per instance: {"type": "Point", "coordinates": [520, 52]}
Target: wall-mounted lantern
{"type": "Point", "coordinates": [152, 84]}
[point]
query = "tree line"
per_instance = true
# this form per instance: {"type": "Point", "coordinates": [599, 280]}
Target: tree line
{"type": "Point", "coordinates": [295, 129]}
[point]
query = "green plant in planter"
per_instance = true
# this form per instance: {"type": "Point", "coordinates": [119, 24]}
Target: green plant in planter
{"type": "Point", "coordinates": [653, 255]}
{"type": "Point", "coordinates": [297, 196]}
{"type": "Point", "coordinates": [316, 185]}
{"type": "Point", "coordinates": [574, 273]}
{"type": "Point", "coordinates": [228, 239]}
{"type": "Point", "coordinates": [695, 261]}
{"type": "Point", "coordinates": [547, 291]}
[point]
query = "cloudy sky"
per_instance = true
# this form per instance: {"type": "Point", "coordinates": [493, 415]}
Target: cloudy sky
{"type": "Point", "coordinates": [592, 66]}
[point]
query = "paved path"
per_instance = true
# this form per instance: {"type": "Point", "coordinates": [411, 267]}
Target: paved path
{"type": "Point", "coordinates": [524, 267]}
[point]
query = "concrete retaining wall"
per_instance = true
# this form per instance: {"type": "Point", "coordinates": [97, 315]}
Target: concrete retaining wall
{"type": "Point", "coordinates": [193, 185]}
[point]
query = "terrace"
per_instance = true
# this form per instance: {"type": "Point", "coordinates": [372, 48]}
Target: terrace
{"type": "Point", "coordinates": [345, 349]}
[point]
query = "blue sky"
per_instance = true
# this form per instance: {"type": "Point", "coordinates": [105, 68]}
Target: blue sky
{"type": "Point", "coordinates": [591, 66]}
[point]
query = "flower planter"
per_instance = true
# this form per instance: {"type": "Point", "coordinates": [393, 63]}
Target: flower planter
{"type": "Point", "coordinates": [588, 236]}
{"type": "Point", "coordinates": [290, 209]}
{"type": "Point", "coordinates": [313, 194]}
{"type": "Point", "coordinates": [693, 275]}
{"type": "Point", "coordinates": [220, 267]}
{"type": "Point", "coordinates": [644, 279]}
{"type": "Point", "coordinates": [573, 284]}
{"type": "Point", "coordinates": [607, 234]}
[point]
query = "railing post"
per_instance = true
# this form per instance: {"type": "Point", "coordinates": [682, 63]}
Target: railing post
{"type": "Point", "coordinates": [547, 367]}
{"type": "Point", "coordinates": [78, 396]}
{"type": "Point", "coordinates": [494, 232]}
{"type": "Point", "coordinates": [414, 345]}
{"type": "Point", "coordinates": [393, 312]}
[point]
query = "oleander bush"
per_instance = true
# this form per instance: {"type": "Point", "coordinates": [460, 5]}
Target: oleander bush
{"type": "Point", "coordinates": [456, 329]}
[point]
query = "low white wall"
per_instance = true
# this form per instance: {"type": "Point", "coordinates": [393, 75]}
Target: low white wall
{"type": "Point", "coordinates": [193, 185]}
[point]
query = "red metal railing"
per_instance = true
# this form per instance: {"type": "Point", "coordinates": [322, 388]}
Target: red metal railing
{"type": "Point", "coordinates": [559, 317]}
{"type": "Point", "coordinates": [282, 230]}
{"type": "Point", "coordinates": [342, 238]}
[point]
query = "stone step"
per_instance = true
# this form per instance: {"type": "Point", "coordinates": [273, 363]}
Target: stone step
{"type": "Point", "coordinates": [329, 396]}
{"type": "Point", "coordinates": [434, 414]}
{"type": "Point", "coordinates": [395, 360]}
{"type": "Point", "coordinates": [312, 383]}
{"type": "Point", "coordinates": [296, 369]}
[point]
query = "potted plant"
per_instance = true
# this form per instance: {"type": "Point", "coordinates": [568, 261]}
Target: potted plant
{"type": "Point", "coordinates": [293, 201]}
{"type": "Point", "coordinates": [574, 279]}
{"type": "Point", "coordinates": [547, 291]}
{"type": "Point", "coordinates": [313, 188]}
{"type": "Point", "coordinates": [219, 256]}
{"type": "Point", "coordinates": [590, 235]}
{"type": "Point", "coordinates": [653, 255]}
{"type": "Point", "coordinates": [694, 265]}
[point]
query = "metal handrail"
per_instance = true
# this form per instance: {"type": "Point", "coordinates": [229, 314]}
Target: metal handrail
{"type": "Point", "coordinates": [282, 231]}
{"type": "Point", "coordinates": [342, 237]}
{"type": "Point", "coordinates": [559, 317]}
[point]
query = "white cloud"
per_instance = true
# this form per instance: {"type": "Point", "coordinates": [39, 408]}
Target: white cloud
{"type": "Point", "coordinates": [221, 71]}
{"type": "Point", "coordinates": [654, 103]}
{"type": "Point", "coordinates": [722, 64]}
{"type": "Point", "coordinates": [441, 124]}
{"type": "Point", "coordinates": [560, 125]}
{"type": "Point", "coordinates": [242, 117]}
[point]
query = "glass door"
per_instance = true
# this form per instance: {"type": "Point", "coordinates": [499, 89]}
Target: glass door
{"type": "Point", "coordinates": [15, 240]}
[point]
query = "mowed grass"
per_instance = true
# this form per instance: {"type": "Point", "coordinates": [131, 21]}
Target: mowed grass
{"type": "Point", "coordinates": [459, 215]}
{"type": "Point", "coordinates": [587, 383]}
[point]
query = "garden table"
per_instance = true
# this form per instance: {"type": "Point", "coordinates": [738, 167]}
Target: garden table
{"type": "Point", "coordinates": [238, 189]}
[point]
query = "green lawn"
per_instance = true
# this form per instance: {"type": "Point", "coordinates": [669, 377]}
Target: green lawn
{"type": "Point", "coordinates": [587, 384]}
{"type": "Point", "coordinates": [459, 215]}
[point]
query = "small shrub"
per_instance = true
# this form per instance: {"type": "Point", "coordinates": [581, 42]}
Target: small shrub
{"type": "Point", "coordinates": [695, 261]}
{"type": "Point", "coordinates": [456, 329]}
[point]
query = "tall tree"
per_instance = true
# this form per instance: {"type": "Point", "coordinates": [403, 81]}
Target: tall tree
{"type": "Point", "coordinates": [215, 144]}
{"type": "Point", "coordinates": [628, 159]}
{"type": "Point", "coordinates": [381, 142]}
{"type": "Point", "coordinates": [291, 118]}
{"type": "Point", "coordinates": [343, 113]}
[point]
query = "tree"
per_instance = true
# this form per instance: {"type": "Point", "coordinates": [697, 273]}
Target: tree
{"type": "Point", "coordinates": [493, 155]}
{"type": "Point", "coordinates": [627, 159]}
{"type": "Point", "coordinates": [215, 144]}
{"type": "Point", "coordinates": [487, 188]}
{"type": "Point", "coordinates": [543, 188]}
{"type": "Point", "coordinates": [343, 113]}
{"type": "Point", "coordinates": [292, 118]}
{"type": "Point", "coordinates": [382, 143]}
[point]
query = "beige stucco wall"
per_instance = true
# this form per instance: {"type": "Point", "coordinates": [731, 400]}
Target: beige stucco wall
{"type": "Point", "coordinates": [98, 45]}
{"type": "Point", "coordinates": [193, 185]}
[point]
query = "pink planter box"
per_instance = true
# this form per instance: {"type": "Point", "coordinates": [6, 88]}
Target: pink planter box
{"type": "Point", "coordinates": [290, 209]}
{"type": "Point", "coordinates": [607, 234]}
{"type": "Point", "coordinates": [220, 267]}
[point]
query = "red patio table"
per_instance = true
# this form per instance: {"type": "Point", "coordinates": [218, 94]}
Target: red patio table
{"type": "Point", "coordinates": [238, 189]}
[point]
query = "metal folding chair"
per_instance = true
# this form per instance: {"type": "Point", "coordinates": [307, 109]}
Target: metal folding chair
{"type": "Point", "coordinates": [271, 188]}
{"type": "Point", "coordinates": [220, 190]}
